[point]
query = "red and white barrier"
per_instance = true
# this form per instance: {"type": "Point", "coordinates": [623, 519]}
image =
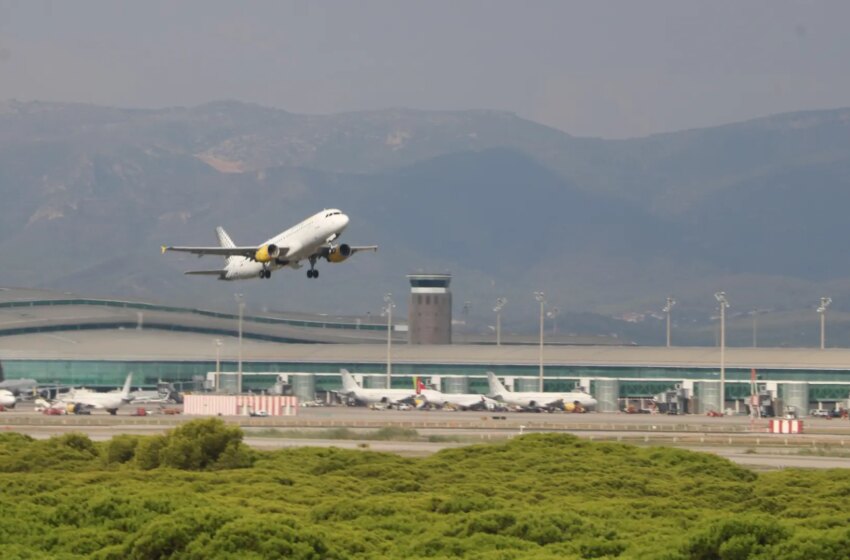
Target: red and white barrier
{"type": "Point", "coordinates": [786, 426]}
{"type": "Point", "coordinates": [275, 405]}
{"type": "Point", "coordinates": [234, 405]}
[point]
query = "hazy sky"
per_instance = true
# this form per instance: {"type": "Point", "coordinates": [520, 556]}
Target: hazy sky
{"type": "Point", "coordinates": [594, 68]}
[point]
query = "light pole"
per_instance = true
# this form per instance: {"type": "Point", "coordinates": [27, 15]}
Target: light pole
{"type": "Point", "coordinates": [500, 303]}
{"type": "Point", "coordinates": [217, 343]}
{"type": "Point", "coordinates": [553, 314]}
{"type": "Point", "coordinates": [755, 328]}
{"type": "Point", "coordinates": [388, 310]}
{"type": "Point", "coordinates": [541, 299]}
{"type": "Point", "coordinates": [756, 312]}
{"type": "Point", "coordinates": [824, 303]}
{"type": "Point", "coordinates": [667, 309]}
{"type": "Point", "coordinates": [724, 303]}
{"type": "Point", "coordinates": [241, 301]}
{"type": "Point", "coordinates": [467, 305]}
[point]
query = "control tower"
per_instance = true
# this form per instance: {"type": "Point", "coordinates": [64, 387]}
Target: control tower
{"type": "Point", "coordinates": [430, 309]}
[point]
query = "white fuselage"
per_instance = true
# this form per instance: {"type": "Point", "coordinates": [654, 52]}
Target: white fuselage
{"type": "Point", "coordinates": [381, 396]}
{"type": "Point", "coordinates": [7, 398]}
{"type": "Point", "coordinates": [352, 390]}
{"type": "Point", "coordinates": [537, 400]}
{"type": "Point", "coordinates": [94, 399]}
{"type": "Point", "coordinates": [91, 399]}
{"type": "Point", "coordinates": [546, 400]}
{"type": "Point", "coordinates": [459, 400]}
{"type": "Point", "coordinates": [300, 242]}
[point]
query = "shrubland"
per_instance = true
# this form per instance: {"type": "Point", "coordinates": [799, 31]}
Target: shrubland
{"type": "Point", "coordinates": [198, 492]}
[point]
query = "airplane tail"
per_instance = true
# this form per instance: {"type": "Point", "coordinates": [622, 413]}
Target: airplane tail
{"type": "Point", "coordinates": [349, 385]}
{"type": "Point", "coordinates": [420, 386]}
{"type": "Point", "coordinates": [224, 239]}
{"type": "Point", "coordinates": [125, 391]}
{"type": "Point", "coordinates": [496, 387]}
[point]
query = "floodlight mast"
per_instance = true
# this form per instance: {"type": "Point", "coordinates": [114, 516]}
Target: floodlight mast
{"type": "Point", "coordinates": [388, 311]}
{"type": "Point", "coordinates": [667, 309]}
{"type": "Point", "coordinates": [755, 313]}
{"type": "Point", "coordinates": [217, 343]}
{"type": "Point", "coordinates": [553, 314]}
{"type": "Point", "coordinates": [824, 303]}
{"type": "Point", "coordinates": [541, 299]}
{"type": "Point", "coordinates": [241, 301]}
{"type": "Point", "coordinates": [500, 303]}
{"type": "Point", "coordinates": [467, 305]}
{"type": "Point", "coordinates": [755, 328]}
{"type": "Point", "coordinates": [724, 303]}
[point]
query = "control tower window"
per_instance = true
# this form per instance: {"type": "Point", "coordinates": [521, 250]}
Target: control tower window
{"type": "Point", "coordinates": [429, 283]}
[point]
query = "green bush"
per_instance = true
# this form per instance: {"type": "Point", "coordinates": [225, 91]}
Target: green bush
{"type": "Point", "coordinates": [120, 449]}
{"type": "Point", "coordinates": [199, 444]}
{"type": "Point", "coordinates": [735, 537]}
{"type": "Point", "coordinates": [148, 450]}
{"type": "Point", "coordinates": [198, 492]}
{"type": "Point", "coordinates": [169, 536]}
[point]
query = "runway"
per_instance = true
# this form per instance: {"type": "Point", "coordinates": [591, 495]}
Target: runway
{"type": "Point", "coordinates": [826, 443]}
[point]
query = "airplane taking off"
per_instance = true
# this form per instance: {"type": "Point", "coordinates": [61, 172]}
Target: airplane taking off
{"type": "Point", "coordinates": [310, 240]}
{"type": "Point", "coordinates": [352, 390]}
{"type": "Point", "coordinates": [110, 402]}
{"type": "Point", "coordinates": [537, 401]}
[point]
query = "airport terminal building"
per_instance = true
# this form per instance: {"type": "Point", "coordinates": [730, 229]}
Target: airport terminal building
{"type": "Point", "coordinates": [77, 341]}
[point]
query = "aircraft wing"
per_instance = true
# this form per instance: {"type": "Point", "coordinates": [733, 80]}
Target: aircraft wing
{"type": "Point", "coordinates": [65, 400]}
{"type": "Point", "coordinates": [548, 403]}
{"type": "Point", "coordinates": [339, 253]}
{"type": "Point", "coordinates": [363, 248]}
{"type": "Point", "coordinates": [247, 252]}
{"type": "Point", "coordinates": [218, 273]}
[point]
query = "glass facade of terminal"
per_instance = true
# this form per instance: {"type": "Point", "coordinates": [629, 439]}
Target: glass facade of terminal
{"type": "Point", "coordinates": [634, 381]}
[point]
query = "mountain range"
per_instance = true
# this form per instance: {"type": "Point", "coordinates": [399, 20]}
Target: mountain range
{"type": "Point", "coordinates": [508, 206]}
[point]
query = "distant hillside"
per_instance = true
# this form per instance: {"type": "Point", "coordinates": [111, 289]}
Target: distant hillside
{"type": "Point", "coordinates": [507, 205]}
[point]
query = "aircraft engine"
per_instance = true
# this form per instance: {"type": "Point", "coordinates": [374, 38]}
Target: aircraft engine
{"type": "Point", "coordinates": [338, 253]}
{"type": "Point", "coordinates": [267, 253]}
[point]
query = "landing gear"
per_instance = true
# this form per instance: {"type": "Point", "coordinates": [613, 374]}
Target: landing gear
{"type": "Point", "coordinates": [312, 273]}
{"type": "Point", "coordinates": [112, 411]}
{"type": "Point", "coordinates": [265, 273]}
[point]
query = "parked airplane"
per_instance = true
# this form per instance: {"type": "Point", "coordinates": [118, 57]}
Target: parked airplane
{"type": "Point", "coordinates": [390, 397]}
{"type": "Point", "coordinates": [19, 386]}
{"type": "Point", "coordinates": [537, 401]}
{"type": "Point", "coordinates": [310, 240]}
{"type": "Point", "coordinates": [462, 401]}
{"type": "Point", "coordinates": [110, 402]}
{"type": "Point", "coordinates": [165, 393]}
{"type": "Point", "coordinates": [7, 399]}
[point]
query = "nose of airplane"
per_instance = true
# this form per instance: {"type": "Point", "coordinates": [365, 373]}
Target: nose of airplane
{"type": "Point", "coordinates": [343, 219]}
